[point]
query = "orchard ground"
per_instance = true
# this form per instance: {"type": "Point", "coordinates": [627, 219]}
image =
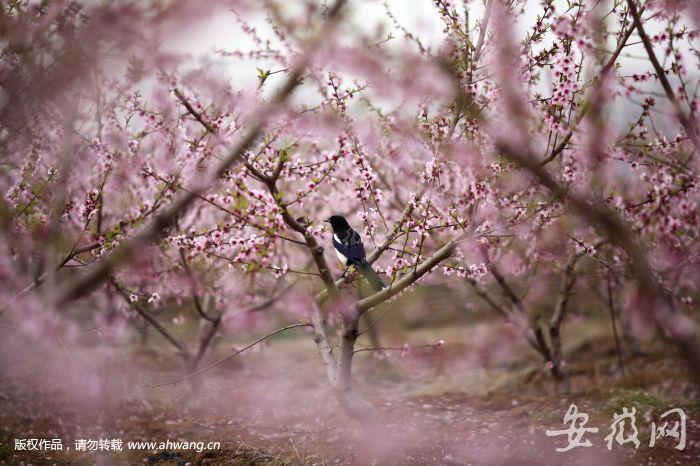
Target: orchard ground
{"type": "Point", "coordinates": [459, 404]}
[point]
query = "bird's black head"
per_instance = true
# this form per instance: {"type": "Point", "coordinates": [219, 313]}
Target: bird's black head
{"type": "Point", "coordinates": [338, 223]}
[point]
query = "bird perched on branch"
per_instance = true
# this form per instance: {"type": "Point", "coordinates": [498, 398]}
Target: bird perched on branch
{"type": "Point", "coordinates": [350, 250]}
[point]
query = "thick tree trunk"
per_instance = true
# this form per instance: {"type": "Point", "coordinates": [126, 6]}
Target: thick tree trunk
{"type": "Point", "coordinates": [339, 373]}
{"type": "Point", "coordinates": [357, 407]}
{"type": "Point", "coordinates": [557, 319]}
{"type": "Point", "coordinates": [352, 403]}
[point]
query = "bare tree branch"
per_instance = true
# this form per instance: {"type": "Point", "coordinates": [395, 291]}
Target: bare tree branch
{"type": "Point", "coordinates": [152, 320]}
{"type": "Point", "coordinates": [410, 278]}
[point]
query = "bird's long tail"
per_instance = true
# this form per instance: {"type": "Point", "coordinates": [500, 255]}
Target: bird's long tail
{"type": "Point", "coordinates": [375, 282]}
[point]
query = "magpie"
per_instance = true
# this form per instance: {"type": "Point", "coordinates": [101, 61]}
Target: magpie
{"type": "Point", "coordinates": [350, 250]}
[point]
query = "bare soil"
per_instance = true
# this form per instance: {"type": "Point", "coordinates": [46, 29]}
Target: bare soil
{"type": "Point", "coordinates": [468, 403]}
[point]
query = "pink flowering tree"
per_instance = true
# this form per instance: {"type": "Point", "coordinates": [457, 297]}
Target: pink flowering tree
{"type": "Point", "coordinates": [493, 160]}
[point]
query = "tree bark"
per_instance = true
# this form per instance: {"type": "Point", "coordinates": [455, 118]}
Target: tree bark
{"type": "Point", "coordinates": [567, 282]}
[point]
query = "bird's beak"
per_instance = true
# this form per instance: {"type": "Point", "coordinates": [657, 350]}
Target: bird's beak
{"type": "Point", "coordinates": [327, 220]}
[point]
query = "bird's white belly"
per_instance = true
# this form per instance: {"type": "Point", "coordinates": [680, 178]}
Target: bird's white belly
{"type": "Point", "coordinates": [341, 258]}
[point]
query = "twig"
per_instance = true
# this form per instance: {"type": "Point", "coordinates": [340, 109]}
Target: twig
{"type": "Point", "coordinates": [220, 361]}
{"type": "Point", "coordinates": [65, 348]}
{"type": "Point", "coordinates": [690, 128]}
{"type": "Point", "coordinates": [582, 113]}
{"type": "Point", "coordinates": [393, 348]}
{"type": "Point", "coordinates": [370, 326]}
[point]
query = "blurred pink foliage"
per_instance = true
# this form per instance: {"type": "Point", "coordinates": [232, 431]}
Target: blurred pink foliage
{"type": "Point", "coordinates": [101, 132]}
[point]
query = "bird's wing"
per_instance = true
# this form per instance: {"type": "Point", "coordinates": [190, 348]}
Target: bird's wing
{"type": "Point", "coordinates": [353, 248]}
